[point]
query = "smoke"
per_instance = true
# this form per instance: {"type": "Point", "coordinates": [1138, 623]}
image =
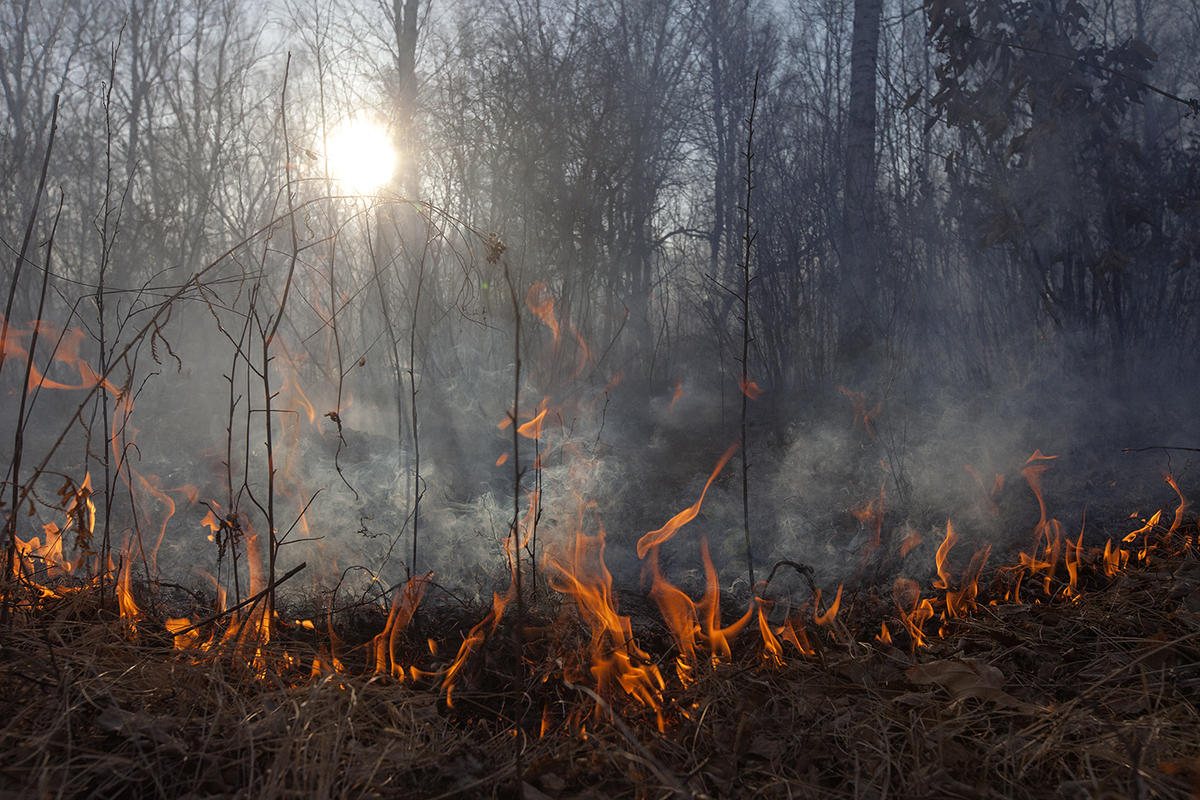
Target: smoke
{"type": "Point", "coordinates": [856, 482]}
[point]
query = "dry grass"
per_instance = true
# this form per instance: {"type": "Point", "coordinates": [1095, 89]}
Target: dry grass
{"type": "Point", "coordinates": [1092, 698]}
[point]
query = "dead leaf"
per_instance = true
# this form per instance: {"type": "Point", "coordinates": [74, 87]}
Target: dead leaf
{"type": "Point", "coordinates": [966, 678]}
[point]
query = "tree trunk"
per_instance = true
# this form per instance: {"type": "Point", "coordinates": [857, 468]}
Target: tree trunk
{"type": "Point", "coordinates": [857, 301]}
{"type": "Point", "coordinates": [403, 15]}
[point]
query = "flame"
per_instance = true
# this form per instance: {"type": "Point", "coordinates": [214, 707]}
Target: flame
{"type": "Point", "coordinates": [1113, 559]}
{"type": "Point", "coordinates": [793, 632]}
{"type": "Point", "coordinates": [128, 608]}
{"type": "Point", "coordinates": [584, 356]}
{"type": "Point", "coordinates": [1047, 533]}
{"type": "Point", "coordinates": [66, 351]}
{"type": "Point", "coordinates": [861, 414]}
{"type": "Point", "coordinates": [830, 614]}
{"type": "Point", "coordinates": [404, 606]}
{"type": "Point", "coordinates": [49, 561]}
{"type": "Point", "coordinates": [871, 512]}
{"type": "Point", "coordinates": [656, 537]}
{"type": "Point", "coordinates": [772, 647]}
{"type": "Point", "coordinates": [689, 621]}
{"type": "Point", "coordinates": [1149, 526]}
{"type": "Point", "coordinates": [675, 397]}
{"type": "Point", "coordinates": [541, 303]}
{"type": "Point", "coordinates": [939, 559]}
{"type": "Point", "coordinates": [912, 539]}
{"type": "Point", "coordinates": [290, 390]}
{"type": "Point", "coordinates": [1183, 505]}
{"type": "Point", "coordinates": [749, 388]}
{"type": "Point", "coordinates": [685, 619]}
{"type": "Point", "coordinates": [1032, 472]}
{"type": "Point", "coordinates": [581, 574]}
{"type": "Point", "coordinates": [1071, 558]}
{"type": "Point", "coordinates": [611, 658]}
{"type": "Point", "coordinates": [122, 441]}
{"type": "Point", "coordinates": [961, 601]}
{"type": "Point", "coordinates": [679, 612]}
{"type": "Point", "coordinates": [709, 611]}
{"type": "Point", "coordinates": [475, 637]}
{"type": "Point", "coordinates": [1047, 547]}
{"type": "Point", "coordinates": [533, 428]}
{"type": "Point", "coordinates": [247, 630]}
{"type": "Point", "coordinates": [150, 490]}
{"type": "Point", "coordinates": [183, 640]}
{"type": "Point", "coordinates": [914, 610]}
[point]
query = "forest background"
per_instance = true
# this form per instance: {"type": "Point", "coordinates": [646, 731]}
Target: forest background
{"type": "Point", "coordinates": [961, 231]}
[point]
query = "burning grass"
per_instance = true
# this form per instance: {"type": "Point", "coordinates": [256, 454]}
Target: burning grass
{"type": "Point", "coordinates": [1069, 667]}
{"type": "Point", "coordinates": [1089, 695]}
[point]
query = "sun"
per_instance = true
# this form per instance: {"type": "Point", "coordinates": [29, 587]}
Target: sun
{"type": "Point", "coordinates": [360, 156]}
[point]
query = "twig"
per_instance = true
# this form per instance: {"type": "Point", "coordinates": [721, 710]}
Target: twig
{"type": "Point", "coordinates": [33, 213]}
{"type": "Point", "coordinates": [19, 433]}
{"type": "Point", "coordinates": [648, 758]}
{"type": "Point", "coordinates": [252, 599]}
{"type": "Point", "coordinates": [804, 570]}
{"type": "Point", "coordinates": [748, 237]}
{"type": "Point", "coordinates": [413, 391]}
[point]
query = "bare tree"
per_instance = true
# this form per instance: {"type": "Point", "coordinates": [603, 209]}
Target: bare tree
{"type": "Point", "coordinates": [860, 239]}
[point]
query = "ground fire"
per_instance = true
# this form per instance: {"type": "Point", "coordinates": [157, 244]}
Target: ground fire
{"type": "Point", "coordinates": [556, 400]}
{"type": "Point", "coordinates": [563, 659]}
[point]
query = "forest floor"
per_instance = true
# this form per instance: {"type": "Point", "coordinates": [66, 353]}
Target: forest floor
{"type": "Point", "coordinates": [1090, 695]}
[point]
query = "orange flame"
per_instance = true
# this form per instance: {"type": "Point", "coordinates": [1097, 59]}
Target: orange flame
{"type": "Point", "coordinates": [709, 611]}
{"type": "Point", "coordinates": [830, 614]}
{"type": "Point", "coordinates": [533, 428]}
{"type": "Point", "coordinates": [1183, 505]}
{"type": "Point", "coordinates": [478, 633]}
{"type": "Point", "coordinates": [912, 539]}
{"type": "Point", "coordinates": [861, 414]}
{"type": "Point", "coordinates": [66, 352]}
{"type": "Point", "coordinates": [1150, 525]}
{"type": "Point", "coordinates": [49, 560]}
{"type": "Point", "coordinates": [1032, 473]}
{"type": "Point", "coordinates": [688, 621]}
{"type": "Point", "coordinates": [679, 612]}
{"type": "Point", "coordinates": [128, 608]}
{"type": "Point", "coordinates": [657, 537]}
{"type": "Point", "coordinates": [793, 632]}
{"type": "Point", "coordinates": [871, 512]}
{"type": "Point", "coordinates": [675, 397]}
{"type": "Point", "coordinates": [750, 388]}
{"type": "Point", "coordinates": [939, 559]}
{"type": "Point", "coordinates": [772, 648]}
{"type": "Point", "coordinates": [581, 574]}
{"type": "Point", "coordinates": [961, 601]}
{"type": "Point", "coordinates": [1071, 558]}
{"type": "Point", "coordinates": [404, 606]}
{"type": "Point", "coordinates": [540, 302]}
{"type": "Point", "coordinates": [1113, 559]}
{"type": "Point", "coordinates": [583, 356]}
{"type": "Point", "coordinates": [914, 610]}
{"type": "Point", "coordinates": [178, 626]}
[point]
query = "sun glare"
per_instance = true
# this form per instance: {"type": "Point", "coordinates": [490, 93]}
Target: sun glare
{"type": "Point", "coordinates": [360, 156]}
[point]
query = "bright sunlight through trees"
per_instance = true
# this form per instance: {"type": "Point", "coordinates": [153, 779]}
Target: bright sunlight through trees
{"type": "Point", "coordinates": [360, 156]}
